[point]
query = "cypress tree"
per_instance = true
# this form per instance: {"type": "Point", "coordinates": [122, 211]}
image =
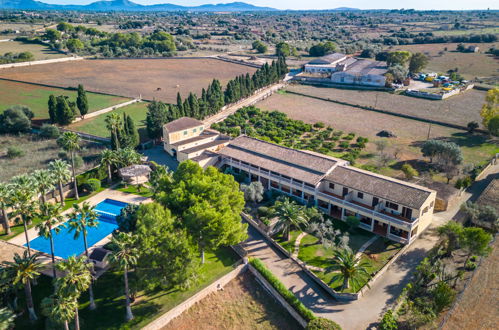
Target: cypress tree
{"type": "Point", "coordinates": [81, 101]}
{"type": "Point", "coordinates": [131, 132]}
{"type": "Point", "coordinates": [64, 112]}
{"type": "Point", "coordinates": [180, 108]}
{"type": "Point", "coordinates": [52, 104]}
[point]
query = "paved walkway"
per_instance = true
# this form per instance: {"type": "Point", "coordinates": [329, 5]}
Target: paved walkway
{"type": "Point", "coordinates": [365, 312]}
{"type": "Point", "coordinates": [106, 110]}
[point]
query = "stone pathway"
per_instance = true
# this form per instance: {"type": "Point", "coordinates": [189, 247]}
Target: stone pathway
{"type": "Point", "coordinates": [297, 244]}
{"type": "Point", "coordinates": [366, 245]}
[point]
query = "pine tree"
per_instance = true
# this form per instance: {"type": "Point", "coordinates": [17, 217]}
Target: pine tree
{"type": "Point", "coordinates": [81, 101]}
{"type": "Point", "coordinates": [158, 114]}
{"type": "Point", "coordinates": [64, 112]}
{"type": "Point", "coordinates": [52, 104]}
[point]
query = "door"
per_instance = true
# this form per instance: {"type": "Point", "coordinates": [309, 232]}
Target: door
{"type": "Point", "coordinates": [345, 192]}
{"type": "Point", "coordinates": [375, 201]}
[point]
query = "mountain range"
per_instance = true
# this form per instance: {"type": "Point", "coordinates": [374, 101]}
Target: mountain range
{"type": "Point", "coordinates": [126, 5]}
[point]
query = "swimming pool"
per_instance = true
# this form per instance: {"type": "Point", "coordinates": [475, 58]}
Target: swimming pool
{"type": "Point", "coordinates": [64, 243]}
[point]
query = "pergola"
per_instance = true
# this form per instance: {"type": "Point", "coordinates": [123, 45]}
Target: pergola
{"type": "Point", "coordinates": [135, 174]}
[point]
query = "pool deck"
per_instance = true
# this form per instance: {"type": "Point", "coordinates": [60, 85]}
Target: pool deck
{"type": "Point", "coordinates": [20, 239]}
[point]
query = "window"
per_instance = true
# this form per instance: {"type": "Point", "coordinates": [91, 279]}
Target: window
{"type": "Point", "coordinates": [392, 205]}
{"type": "Point", "coordinates": [194, 130]}
{"type": "Point", "coordinates": [331, 186]}
{"type": "Point", "coordinates": [431, 204]}
{"type": "Point", "coordinates": [185, 132]}
{"type": "Point", "coordinates": [425, 210]}
{"type": "Point", "coordinates": [360, 195]}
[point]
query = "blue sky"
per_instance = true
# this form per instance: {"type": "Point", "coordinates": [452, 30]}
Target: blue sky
{"type": "Point", "coordinates": [329, 4]}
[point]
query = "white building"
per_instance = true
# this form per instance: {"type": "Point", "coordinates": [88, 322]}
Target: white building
{"type": "Point", "coordinates": [362, 72]}
{"type": "Point", "coordinates": [325, 64]}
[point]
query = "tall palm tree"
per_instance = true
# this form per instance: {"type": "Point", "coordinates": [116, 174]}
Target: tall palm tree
{"type": "Point", "coordinates": [76, 280]}
{"type": "Point", "coordinates": [352, 269]}
{"type": "Point", "coordinates": [108, 158]}
{"type": "Point", "coordinates": [45, 181]}
{"type": "Point", "coordinates": [23, 203]}
{"type": "Point", "coordinates": [81, 218]}
{"type": "Point", "coordinates": [62, 174]}
{"type": "Point", "coordinates": [25, 269]}
{"type": "Point", "coordinates": [50, 223]}
{"type": "Point", "coordinates": [113, 123]}
{"type": "Point", "coordinates": [70, 142]}
{"type": "Point", "coordinates": [125, 257]}
{"type": "Point", "coordinates": [127, 157]}
{"type": "Point", "coordinates": [288, 214]}
{"type": "Point", "coordinates": [59, 309]}
{"type": "Point", "coordinates": [5, 201]}
{"type": "Point", "coordinates": [7, 318]}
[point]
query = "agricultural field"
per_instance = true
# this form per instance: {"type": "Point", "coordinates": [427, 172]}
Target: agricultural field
{"type": "Point", "coordinates": [459, 109]}
{"type": "Point", "coordinates": [477, 149]}
{"type": "Point", "coordinates": [97, 125]}
{"type": "Point", "coordinates": [40, 52]}
{"type": "Point", "coordinates": [37, 153]}
{"type": "Point", "coordinates": [159, 79]}
{"type": "Point", "coordinates": [470, 65]}
{"type": "Point", "coordinates": [36, 97]}
{"type": "Point", "coordinates": [243, 304]}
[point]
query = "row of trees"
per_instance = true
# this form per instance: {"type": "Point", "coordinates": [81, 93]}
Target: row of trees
{"type": "Point", "coordinates": [213, 98]}
{"type": "Point", "coordinates": [123, 131]}
{"type": "Point", "coordinates": [11, 57]}
{"type": "Point", "coordinates": [63, 111]}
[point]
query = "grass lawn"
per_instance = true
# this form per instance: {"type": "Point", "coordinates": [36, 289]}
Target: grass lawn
{"type": "Point", "coordinates": [288, 245]}
{"type": "Point", "coordinates": [108, 290]}
{"type": "Point", "coordinates": [36, 97]}
{"type": "Point", "coordinates": [132, 189]}
{"type": "Point", "coordinates": [97, 125]}
{"type": "Point", "coordinates": [40, 52]}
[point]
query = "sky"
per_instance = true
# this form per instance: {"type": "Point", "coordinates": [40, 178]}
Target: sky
{"type": "Point", "coordinates": [327, 4]}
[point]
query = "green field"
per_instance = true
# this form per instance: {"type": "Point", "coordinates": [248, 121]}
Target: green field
{"type": "Point", "coordinates": [491, 30]}
{"type": "Point", "coordinates": [40, 52]}
{"type": "Point", "coordinates": [36, 97]}
{"type": "Point", "coordinates": [97, 125]}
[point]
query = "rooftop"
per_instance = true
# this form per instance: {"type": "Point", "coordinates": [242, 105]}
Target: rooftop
{"type": "Point", "coordinates": [300, 165]}
{"type": "Point", "coordinates": [182, 124]}
{"type": "Point", "coordinates": [328, 59]}
{"type": "Point", "coordinates": [204, 135]}
{"type": "Point", "coordinates": [394, 190]}
{"type": "Point", "coordinates": [490, 195]}
{"type": "Point", "coordinates": [364, 67]}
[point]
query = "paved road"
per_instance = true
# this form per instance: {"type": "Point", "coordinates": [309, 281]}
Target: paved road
{"type": "Point", "coordinates": [363, 313]}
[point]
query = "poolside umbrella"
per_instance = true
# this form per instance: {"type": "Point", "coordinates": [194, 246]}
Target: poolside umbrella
{"type": "Point", "coordinates": [134, 171]}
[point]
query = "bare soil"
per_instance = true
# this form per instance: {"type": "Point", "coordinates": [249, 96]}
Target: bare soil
{"type": "Point", "coordinates": [159, 79]}
{"type": "Point", "coordinates": [242, 304]}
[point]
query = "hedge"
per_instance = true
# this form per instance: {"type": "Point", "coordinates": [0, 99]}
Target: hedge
{"type": "Point", "coordinates": [322, 324]}
{"type": "Point", "coordinates": [283, 291]}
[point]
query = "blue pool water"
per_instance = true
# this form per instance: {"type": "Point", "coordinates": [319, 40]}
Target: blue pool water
{"type": "Point", "coordinates": [64, 243]}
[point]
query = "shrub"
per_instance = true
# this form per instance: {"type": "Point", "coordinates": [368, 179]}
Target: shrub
{"type": "Point", "coordinates": [409, 171]}
{"type": "Point", "coordinates": [443, 296]}
{"type": "Point", "coordinates": [263, 211]}
{"type": "Point", "coordinates": [49, 131]}
{"type": "Point", "coordinates": [388, 322]}
{"type": "Point", "coordinates": [352, 222]}
{"type": "Point", "coordinates": [78, 161]}
{"type": "Point", "coordinates": [127, 219]}
{"type": "Point", "coordinates": [91, 185]}
{"type": "Point", "coordinates": [344, 144]}
{"type": "Point", "coordinates": [16, 119]}
{"type": "Point", "coordinates": [15, 152]}
{"type": "Point", "coordinates": [321, 323]}
{"type": "Point", "coordinates": [470, 265]}
{"type": "Point", "coordinates": [319, 125]}
{"type": "Point", "coordinates": [283, 291]}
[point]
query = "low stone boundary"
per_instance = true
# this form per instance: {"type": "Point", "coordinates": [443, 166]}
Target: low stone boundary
{"type": "Point", "coordinates": [55, 60]}
{"type": "Point", "coordinates": [434, 96]}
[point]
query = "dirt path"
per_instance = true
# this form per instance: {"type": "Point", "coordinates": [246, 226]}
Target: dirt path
{"type": "Point", "coordinates": [243, 304]}
{"type": "Point", "coordinates": [106, 110]}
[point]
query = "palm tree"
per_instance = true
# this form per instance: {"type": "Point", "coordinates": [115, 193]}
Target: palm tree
{"type": "Point", "coordinates": [452, 232]}
{"type": "Point", "coordinates": [127, 157]}
{"type": "Point", "coordinates": [24, 270]}
{"type": "Point", "coordinates": [45, 181]}
{"type": "Point", "coordinates": [108, 159]}
{"type": "Point", "coordinates": [62, 174]}
{"type": "Point", "coordinates": [23, 204]}
{"type": "Point", "coordinates": [352, 269]}
{"type": "Point", "coordinates": [7, 318]}
{"type": "Point", "coordinates": [76, 280]}
{"type": "Point", "coordinates": [289, 214]}
{"type": "Point", "coordinates": [5, 194]}
{"type": "Point", "coordinates": [113, 123]}
{"type": "Point", "coordinates": [49, 219]}
{"type": "Point", "coordinates": [81, 218]}
{"type": "Point", "coordinates": [70, 142]}
{"type": "Point", "coordinates": [125, 257]}
{"type": "Point", "coordinates": [59, 309]}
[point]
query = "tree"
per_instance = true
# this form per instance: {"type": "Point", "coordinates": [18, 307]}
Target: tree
{"type": "Point", "coordinates": [289, 215]}
{"type": "Point", "coordinates": [127, 219]}
{"type": "Point", "coordinates": [472, 126]}
{"type": "Point", "coordinates": [131, 135]}
{"type": "Point", "coordinates": [418, 62]}
{"type": "Point", "coordinates": [50, 224]}
{"type": "Point", "coordinates": [52, 105]}
{"type": "Point", "coordinates": [398, 72]}
{"type": "Point", "coordinates": [115, 125]}
{"type": "Point", "coordinates": [76, 280]}
{"type": "Point", "coordinates": [452, 232]}
{"type": "Point", "coordinates": [388, 322]}
{"type": "Point", "coordinates": [322, 49]}
{"type": "Point", "coordinates": [82, 101]}
{"type": "Point", "coordinates": [59, 309]}
{"type": "Point", "coordinates": [127, 156]}
{"type": "Point", "coordinates": [352, 269]}
{"type": "Point", "coordinates": [52, 35]}
{"type": "Point", "coordinates": [25, 269]}
{"type": "Point", "coordinates": [210, 204]}
{"type": "Point", "coordinates": [64, 110]}
{"type": "Point", "coordinates": [399, 57]}
{"type": "Point", "coordinates": [5, 202]}
{"type": "Point", "coordinates": [157, 116]}
{"type": "Point", "coordinates": [44, 182]}
{"type": "Point", "coordinates": [493, 125]}
{"type": "Point", "coordinates": [443, 296]}
{"type": "Point", "coordinates": [7, 318]}
{"type": "Point", "coordinates": [259, 46]}
{"type": "Point", "coordinates": [284, 49]}
{"type": "Point", "coordinates": [16, 119]}
{"type": "Point", "coordinates": [491, 107]}
{"type": "Point", "coordinates": [167, 256]}
{"type": "Point", "coordinates": [81, 218]}
{"type": "Point", "coordinates": [22, 201]}
{"type": "Point", "coordinates": [124, 256]}
{"type": "Point", "coordinates": [253, 192]}
{"type": "Point", "coordinates": [476, 241]}
{"type": "Point", "coordinates": [352, 222]}
{"type": "Point", "coordinates": [108, 158]}
{"type": "Point", "coordinates": [409, 171]}
{"type": "Point", "coordinates": [74, 45]}
{"type": "Point", "coordinates": [70, 142]}
{"type": "Point", "coordinates": [60, 171]}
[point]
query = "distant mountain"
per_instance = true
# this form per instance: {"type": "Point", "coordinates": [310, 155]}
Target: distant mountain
{"type": "Point", "coordinates": [126, 5]}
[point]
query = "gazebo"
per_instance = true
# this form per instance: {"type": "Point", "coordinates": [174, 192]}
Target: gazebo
{"type": "Point", "coordinates": [135, 174]}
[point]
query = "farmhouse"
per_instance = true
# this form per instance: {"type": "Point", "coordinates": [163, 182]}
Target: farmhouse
{"type": "Point", "coordinates": [325, 64]}
{"type": "Point", "coordinates": [386, 206]}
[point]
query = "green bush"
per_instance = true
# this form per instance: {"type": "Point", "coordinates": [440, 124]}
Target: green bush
{"type": "Point", "coordinates": [15, 152]}
{"type": "Point", "coordinates": [49, 131]}
{"type": "Point", "coordinates": [344, 144]}
{"type": "Point", "coordinates": [321, 323]}
{"type": "Point", "coordinates": [388, 322]}
{"type": "Point", "coordinates": [470, 265]}
{"type": "Point", "coordinates": [283, 291]}
{"type": "Point", "coordinates": [319, 125]}
{"type": "Point", "coordinates": [91, 185]}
